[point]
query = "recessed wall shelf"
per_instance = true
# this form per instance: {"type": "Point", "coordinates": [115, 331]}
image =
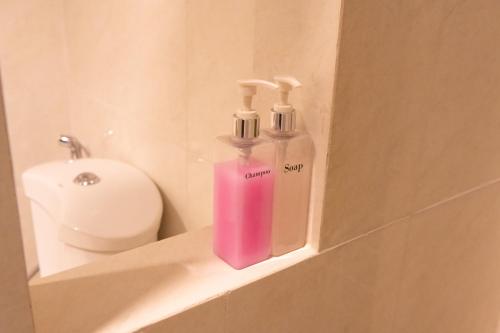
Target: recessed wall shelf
{"type": "Point", "coordinates": [144, 285]}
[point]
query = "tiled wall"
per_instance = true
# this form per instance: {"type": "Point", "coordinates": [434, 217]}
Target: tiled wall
{"type": "Point", "coordinates": [33, 71]}
{"type": "Point", "coordinates": [15, 314]}
{"type": "Point", "coordinates": [153, 83]}
{"type": "Point", "coordinates": [436, 272]}
{"type": "Point", "coordinates": [411, 227]}
{"type": "Point", "coordinates": [416, 111]}
{"type": "Point", "coordinates": [410, 234]}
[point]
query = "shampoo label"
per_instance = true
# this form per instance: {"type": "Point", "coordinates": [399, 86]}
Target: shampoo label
{"type": "Point", "coordinates": [259, 173]}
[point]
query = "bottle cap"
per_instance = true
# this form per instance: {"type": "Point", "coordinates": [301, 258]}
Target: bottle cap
{"type": "Point", "coordinates": [246, 121]}
{"type": "Point", "coordinates": [283, 117]}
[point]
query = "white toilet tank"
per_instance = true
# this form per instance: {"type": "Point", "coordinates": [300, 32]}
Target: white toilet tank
{"type": "Point", "coordinates": [86, 209]}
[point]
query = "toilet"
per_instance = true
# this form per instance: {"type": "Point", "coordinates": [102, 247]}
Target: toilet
{"type": "Point", "coordinates": [87, 209]}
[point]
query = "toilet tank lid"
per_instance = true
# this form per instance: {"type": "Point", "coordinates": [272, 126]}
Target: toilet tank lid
{"type": "Point", "coordinates": [120, 212]}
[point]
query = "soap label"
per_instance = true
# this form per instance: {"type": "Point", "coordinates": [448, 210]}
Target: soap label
{"type": "Point", "coordinates": [293, 167]}
{"type": "Point", "coordinates": [261, 173]}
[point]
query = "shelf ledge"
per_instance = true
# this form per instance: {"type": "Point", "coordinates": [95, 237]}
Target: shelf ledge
{"type": "Point", "coordinates": [133, 289]}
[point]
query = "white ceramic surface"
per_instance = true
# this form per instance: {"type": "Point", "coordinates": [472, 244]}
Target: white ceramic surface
{"type": "Point", "coordinates": [77, 224]}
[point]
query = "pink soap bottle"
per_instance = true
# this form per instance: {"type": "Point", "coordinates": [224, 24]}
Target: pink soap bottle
{"type": "Point", "coordinates": [243, 187]}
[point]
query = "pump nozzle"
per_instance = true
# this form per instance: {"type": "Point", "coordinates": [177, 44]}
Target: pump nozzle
{"type": "Point", "coordinates": [286, 84]}
{"type": "Point", "coordinates": [246, 121]}
{"type": "Point", "coordinates": [249, 89]}
{"type": "Point", "coordinates": [283, 113]}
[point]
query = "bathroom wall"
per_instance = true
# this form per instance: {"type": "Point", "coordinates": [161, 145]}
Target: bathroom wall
{"type": "Point", "coordinates": [410, 233]}
{"type": "Point", "coordinates": [33, 71]}
{"type": "Point", "coordinates": [15, 315]}
{"type": "Point", "coordinates": [410, 230]}
{"type": "Point", "coordinates": [153, 83]}
{"type": "Point", "coordinates": [127, 89]}
{"type": "Point", "coordinates": [149, 83]}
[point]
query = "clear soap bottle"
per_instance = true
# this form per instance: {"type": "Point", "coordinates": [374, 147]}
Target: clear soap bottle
{"type": "Point", "coordinates": [243, 187]}
{"type": "Point", "coordinates": [293, 171]}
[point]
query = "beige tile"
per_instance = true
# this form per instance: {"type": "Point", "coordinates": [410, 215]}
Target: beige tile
{"type": "Point", "coordinates": [14, 14]}
{"type": "Point", "coordinates": [220, 50]}
{"type": "Point", "coordinates": [95, 124]}
{"type": "Point", "coordinates": [135, 70]}
{"type": "Point", "coordinates": [129, 54]}
{"type": "Point", "coordinates": [144, 286]}
{"type": "Point", "coordinates": [348, 289]}
{"type": "Point", "coordinates": [289, 301]}
{"type": "Point", "coordinates": [199, 191]}
{"type": "Point", "coordinates": [127, 290]}
{"type": "Point", "coordinates": [371, 163]}
{"type": "Point", "coordinates": [204, 318]}
{"type": "Point", "coordinates": [406, 130]}
{"type": "Point", "coordinates": [136, 67]}
{"type": "Point", "coordinates": [371, 272]}
{"type": "Point", "coordinates": [14, 298]}
{"type": "Point", "coordinates": [33, 71]}
{"type": "Point", "coordinates": [166, 164]}
{"type": "Point", "coordinates": [117, 310]}
{"type": "Point", "coordinates": [451, 276]}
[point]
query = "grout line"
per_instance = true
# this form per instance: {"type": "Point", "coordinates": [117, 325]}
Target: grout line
{"type": "Point", "coordinates": [385, 226]}
{"type": "Point", "coordinates": [456, 196]}
{"type": "Point", "coordinates": [415, 213]}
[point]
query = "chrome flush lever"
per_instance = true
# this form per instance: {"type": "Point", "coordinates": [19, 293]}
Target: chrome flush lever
{"type": "Point", "coordinates": [75, 147]}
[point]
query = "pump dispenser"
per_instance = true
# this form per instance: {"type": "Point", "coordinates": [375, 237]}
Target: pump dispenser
{"type": "Point", "coordinates": [293, 167]}
{"type": "Point", "coordinates": [283, 113]}
{"type": "Point", "coordinates": [246, 120]}
{"type": "Point", "coordinates": [243, 186]}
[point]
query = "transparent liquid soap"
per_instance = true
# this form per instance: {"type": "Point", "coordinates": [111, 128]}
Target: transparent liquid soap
{"type": "Point", "coordinates": [293, 171]}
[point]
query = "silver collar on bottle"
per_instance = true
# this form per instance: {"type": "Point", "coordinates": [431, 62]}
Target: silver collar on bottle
{"type": "Point", "coordinates": [283, 121]}
{"type": "Point", "coordinates": [246, 128]}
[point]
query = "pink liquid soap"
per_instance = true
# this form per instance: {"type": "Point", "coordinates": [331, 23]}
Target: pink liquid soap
{"type": "Point", "coordinates": [243, 203]}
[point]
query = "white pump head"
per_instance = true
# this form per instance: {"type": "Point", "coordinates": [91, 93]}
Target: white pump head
{"type": "Point", "coordinates": [246, 119]}
{"type": "Point", "coordinates": [286, 85]}
{"type": "Point", "coordinates": [283, 113]}
{"type": "Point", "coordinates": [249, 89]}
